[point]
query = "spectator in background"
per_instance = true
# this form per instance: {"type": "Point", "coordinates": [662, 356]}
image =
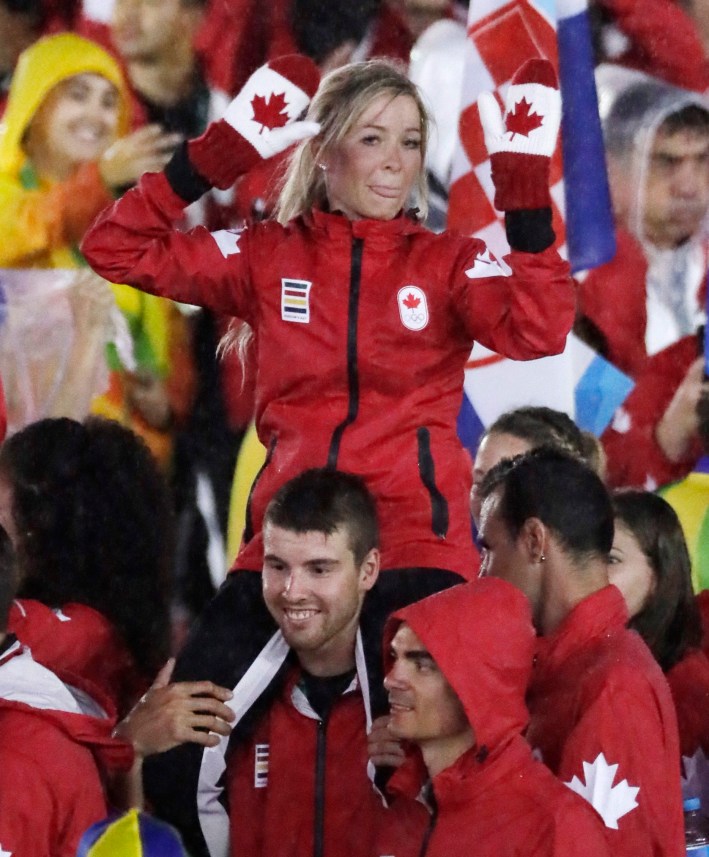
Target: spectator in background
{"type": "Point", "coordinates": [64, 153]}
{"type": "Point", "coordinates": [89, 517]}
{"type": "Point", "coordinates": [650, 565]}
{"type": "Point", "coordinates": [601, 711]}
{"type": "Point", "coordinates": [650, 295]}
{"type": "Point", "coordinates": [156, 40]}
{"type": "Point", "coordinates": [659, 432]}
{"type": "Point", "coordinates": [55, 744]}
{"type": "Point", "coordinates": [459, 664]}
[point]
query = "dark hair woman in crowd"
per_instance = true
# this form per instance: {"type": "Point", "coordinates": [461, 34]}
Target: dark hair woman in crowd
{"type": "Point", "coordinates": [650, 565]}
{"type": "Point", "coordinates": [89, 516]}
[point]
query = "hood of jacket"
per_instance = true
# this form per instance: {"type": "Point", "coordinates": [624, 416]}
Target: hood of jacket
{"type": "Point", "coordinates": [40, 68]}
{"type": "Point", "coordinates": [75, 708]}
{"type": "Point", "coordinates": [633, 106]}
{"type": "Point", "coordinates": [481, 637]}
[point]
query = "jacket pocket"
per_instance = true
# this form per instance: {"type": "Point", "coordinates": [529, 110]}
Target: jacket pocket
{"type": "Point", "coordinates": [248, 522]}
{"type": "Point", "coordinates": [427, 472]}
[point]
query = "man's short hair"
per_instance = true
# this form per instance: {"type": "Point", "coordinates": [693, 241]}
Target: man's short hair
{"type": "Point", "coordinates": [645, 102]}
{"type": "Point", "coordinates": [324, 500]}
{"type": "Point", "coordinates": [562, 492]}
{"type": "Point", "coordinates": [8, 578]}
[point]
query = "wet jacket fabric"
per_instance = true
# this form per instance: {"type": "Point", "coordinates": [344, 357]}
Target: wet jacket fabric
{"type": "Point", "coordinates": [362, 330]}
{"type": "Point", "coordinates": [689, 684]}
{"type": "Point", "coordinates": [603, 719]}
{"type": "Point", "coordinates": [299, 785]}
{"type": "Point", "coordinates": [80, 641]}
{"type": "Point", "coordinates": [634, 458]}
{"type": "Point", "coordinates": [42, 220]}
{"type": "Point", "coordinates": [495, 799]}
{"type": "Point", "coordinates": [52, 758]}
{"type": "Point", "coordinates": [260, 791]}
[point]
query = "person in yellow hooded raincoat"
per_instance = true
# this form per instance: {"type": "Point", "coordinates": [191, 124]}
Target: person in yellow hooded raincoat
{"type": "Point", "coordinates": [65, 153]}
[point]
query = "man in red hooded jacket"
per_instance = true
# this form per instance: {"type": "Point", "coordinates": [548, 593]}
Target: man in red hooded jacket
{"type": "Point", "coordinates": [460, 662]}
{"type": "Point", "coordinates": [602, 716]}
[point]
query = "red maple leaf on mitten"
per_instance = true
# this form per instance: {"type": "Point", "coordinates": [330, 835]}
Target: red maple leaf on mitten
{"type": "Point", "coordinates": [270, 112]}
{"type": "Point", "coordinates": [522, 119]}
{"type": "Point", "coordinates": [411, 301]}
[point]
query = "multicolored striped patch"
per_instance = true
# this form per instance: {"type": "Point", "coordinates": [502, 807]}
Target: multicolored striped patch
{"type": "Point", "coordinates": [295, 300]}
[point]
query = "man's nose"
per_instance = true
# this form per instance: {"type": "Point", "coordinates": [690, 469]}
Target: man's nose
{"type": "Point", "coordinates": [294, 584]}
{"type": "Point", "coordinates": [394, 679]}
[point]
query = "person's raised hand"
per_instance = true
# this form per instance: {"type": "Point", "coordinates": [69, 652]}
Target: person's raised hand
{"type": "Point", "coordinates": [679, 425]}
{"type": "Point", "coordinates": [521, 142]}
{"type": "Point", "coordinates": [383, 748]}
{"type": "Point", "coordinates": [146, 150]}
{"type": "Point", "coordinates": [175, 713]}
{"type": "Point", "coordinates": [262, 121]}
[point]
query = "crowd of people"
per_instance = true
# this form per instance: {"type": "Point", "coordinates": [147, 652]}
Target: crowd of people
{"type": "Point", "coordinates": [411, 652]}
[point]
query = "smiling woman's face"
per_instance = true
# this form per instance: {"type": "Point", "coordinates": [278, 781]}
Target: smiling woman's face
{"type": "Point", "coordinates": [371, 172]}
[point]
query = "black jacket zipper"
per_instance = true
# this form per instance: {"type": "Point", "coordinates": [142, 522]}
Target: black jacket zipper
{"type": "Point", "coordinates": [439, 504]}
{"type": "Point", "coordinates": [319, 831]}
{"type": "Point", "coordinates": [429, 830]}
{"type": "Point", "coordinates": [352, 369]}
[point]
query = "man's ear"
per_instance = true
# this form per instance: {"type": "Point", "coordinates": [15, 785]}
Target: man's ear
{"type": "Point", "coordinates": [369, 569]}
{"type": "Point", "coordinates": [534, 538]}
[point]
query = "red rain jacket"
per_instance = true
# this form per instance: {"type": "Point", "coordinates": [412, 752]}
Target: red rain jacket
{"type": "Point", "coordinates": [495, 800]}
{"type": "Point", "coordinates": [362, 330]}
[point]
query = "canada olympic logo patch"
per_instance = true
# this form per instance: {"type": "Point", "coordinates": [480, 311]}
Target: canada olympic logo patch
{"type": "Point", "coordinates": [413, 308]}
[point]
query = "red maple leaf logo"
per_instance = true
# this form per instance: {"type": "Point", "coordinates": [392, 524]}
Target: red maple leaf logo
{"type": "Point", "coordinates": [411, 301]}
{"type": "Point", "coordinates": [270, 112]}
{"type": "Point", "coordinates": [522, 120]}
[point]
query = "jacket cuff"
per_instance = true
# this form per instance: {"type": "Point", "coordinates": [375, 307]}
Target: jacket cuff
{"type": "Point", "coordinates": [529, 230]}
{"type": "Point", "coordinates": [183, 177]}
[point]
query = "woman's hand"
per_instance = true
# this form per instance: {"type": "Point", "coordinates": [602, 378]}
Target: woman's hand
{"type": "Point", "coordinates": [176, 713]}
{"type": "Point", "coordinates": [146, 150]}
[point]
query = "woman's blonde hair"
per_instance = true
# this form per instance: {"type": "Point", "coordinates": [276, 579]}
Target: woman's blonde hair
{"type": "Point", "coordinates": [342, 98]}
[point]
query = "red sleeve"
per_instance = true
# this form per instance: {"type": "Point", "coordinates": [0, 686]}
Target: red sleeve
{"type": "Point", "coordinates": [634, 729]}
{"type": "Point", "coordinates": [45, 809]}
{"type": "Point", "coordinates": [634, 457]}
{"type": "Point", "coordinates": [135, 242]}
{"type": "Point", "coordinates": [522, 315]}
{"type": "Point", "coordinates": [689, 683]}
{"type": "Point", "coordinates": [612, 297]}
{"type": "Point", "coordinates": [26, 809]}
{"type": "Point", "coordinates": [665, 39]}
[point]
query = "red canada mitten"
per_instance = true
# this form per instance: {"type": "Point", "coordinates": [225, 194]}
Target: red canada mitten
{"type": "Point", "coordinates": [260, 122]}
{"type": "Point", "coordinates": [521, 145]}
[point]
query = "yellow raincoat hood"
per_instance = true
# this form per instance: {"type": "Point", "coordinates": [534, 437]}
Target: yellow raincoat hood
{"type": "Point", "coordinates": [41, 67]}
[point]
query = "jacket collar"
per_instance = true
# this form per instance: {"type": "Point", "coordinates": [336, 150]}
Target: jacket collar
{"type": "Point", "coordinates": [472, 773]}
{"type": "Point", "coordinates": [337, 225]}
{"type": "Point", "coordinates": [599, 614]}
